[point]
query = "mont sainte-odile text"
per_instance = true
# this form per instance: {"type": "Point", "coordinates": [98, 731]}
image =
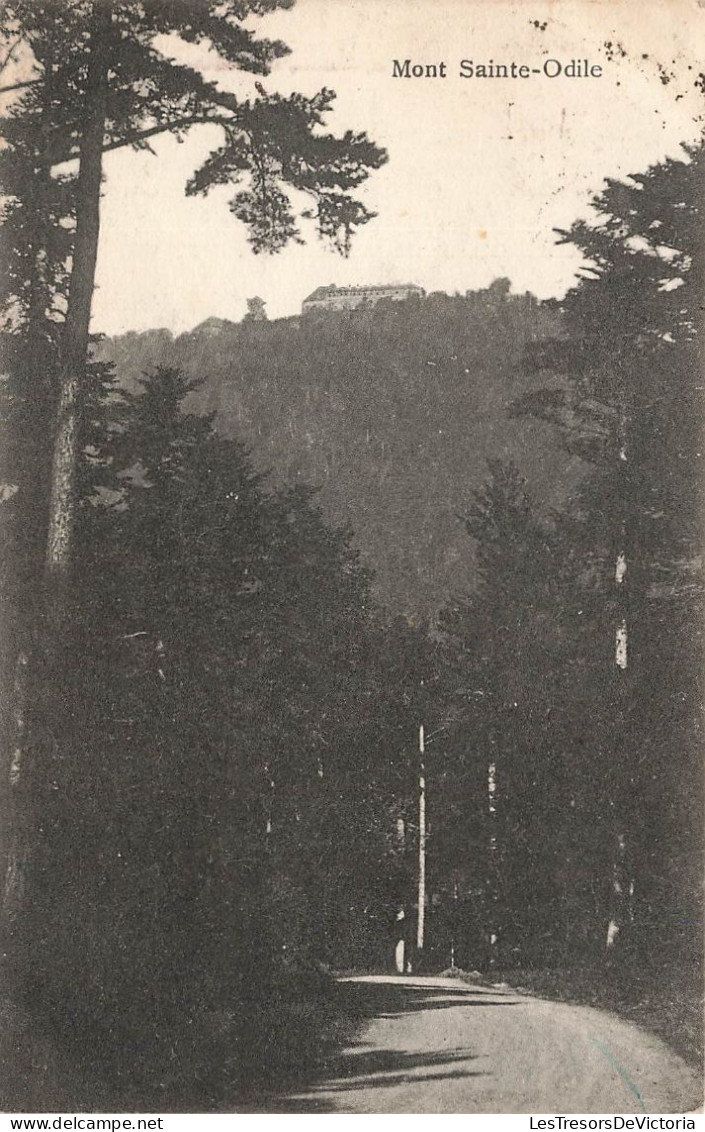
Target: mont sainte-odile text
{"type": "Point", "coordinates": [616, 1123]}
{"type": "Point", "coordinates": [550, 68]}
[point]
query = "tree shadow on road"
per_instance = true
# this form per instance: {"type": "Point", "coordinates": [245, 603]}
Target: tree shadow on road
{"type": "Point", "coordinates": [364, 1000]}
{"type": "Point", "coordinates": [345, 1063]}
{"type": "Point", "coordinates": [380, 1068]}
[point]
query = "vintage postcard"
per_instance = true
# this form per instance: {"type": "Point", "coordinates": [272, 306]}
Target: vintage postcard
{"type": "Point", "coordinates": [351, 558]}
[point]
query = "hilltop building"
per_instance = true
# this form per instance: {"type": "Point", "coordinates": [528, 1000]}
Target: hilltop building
{"type": "Point", "coordinates": [334, 298]}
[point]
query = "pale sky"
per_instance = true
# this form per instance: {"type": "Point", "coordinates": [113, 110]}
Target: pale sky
{"type": "Point", "coordinates": [480, 170]}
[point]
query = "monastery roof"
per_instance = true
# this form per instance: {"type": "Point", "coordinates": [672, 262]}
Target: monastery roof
{"type": "Point", "coordinates": [332, 289]}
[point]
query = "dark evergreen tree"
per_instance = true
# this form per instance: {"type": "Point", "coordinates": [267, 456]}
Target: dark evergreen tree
{"type": "Point", "coordinates": [99, 82]}
{"type": "Point", "coordinates": [224, 820]}
{"type": "Point", "coordinates": [628, 365]}
{"type": "Point", "coordinates": [524, 665]}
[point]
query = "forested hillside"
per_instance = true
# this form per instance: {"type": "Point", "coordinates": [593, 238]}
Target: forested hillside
{"type": "Point", "coordinates": [361, 641]}
{"type": "Point", "coordinates": [391, 411]}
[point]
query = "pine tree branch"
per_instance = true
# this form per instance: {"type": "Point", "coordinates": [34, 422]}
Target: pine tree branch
{"type": "Point", "coordinates": [165, 127]}
{"type": "Point", "coordinates": [142, 135]}
{"type": "Point", "coordinates": [18, 86]}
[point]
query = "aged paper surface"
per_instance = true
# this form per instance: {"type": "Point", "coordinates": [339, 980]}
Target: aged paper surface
{"type": "Point", "coordinates": [352, 603]}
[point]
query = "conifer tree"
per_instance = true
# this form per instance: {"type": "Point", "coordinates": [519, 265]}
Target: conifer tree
{"type": "Point", "coordinates": [99, 81]}
{"type": "Point", "coordinates": [628, 403]}
{"type": "Point", "coordinates": [238, 751]}
{"type": "Point", "coordinates": [526, 799]}
{"type": "Point", "coordinates": [116, 88]}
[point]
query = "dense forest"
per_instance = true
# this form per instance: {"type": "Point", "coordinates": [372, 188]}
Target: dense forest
{"type": "Point", "coordinates": [391, 412]}
{"type": "Point", "coordinates": [241, 570]}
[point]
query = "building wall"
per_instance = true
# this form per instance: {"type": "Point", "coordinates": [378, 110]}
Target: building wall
{"type": "Point", "coordinates": [348, 298]}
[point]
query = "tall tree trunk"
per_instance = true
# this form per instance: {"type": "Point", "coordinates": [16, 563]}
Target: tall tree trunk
{"type": "Point", "coordinates": [22, 784]}
{"type": "Point", "coordinates": [38, 370]}
{"type": "Point", "coordinates": [493, 871]}
{"type": "Point", "coordinates": [621, 881]}
{"type": "Point", "coordinates": [74, 342]}
{"type": "Point", "coordinates": [421, 917]}
{"type": "Point", "coordinates": [11, 792]}
{"type": "Point", "coordinates": [29, 464]}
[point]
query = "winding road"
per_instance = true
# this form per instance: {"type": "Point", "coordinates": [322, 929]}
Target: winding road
{"type": "Point", "coordinates": [436, 1045]}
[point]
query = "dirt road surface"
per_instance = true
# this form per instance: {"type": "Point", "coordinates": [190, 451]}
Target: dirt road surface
{"type": "Point", "coordinates": [437, 1045]}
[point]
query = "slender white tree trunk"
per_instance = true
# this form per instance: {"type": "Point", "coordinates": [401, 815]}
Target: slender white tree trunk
{"type": "Point", "coordinates": [400, 946]}
{"type": "Point", "coordinates": [492, 931]}
{"type": "Point", "coordinates": [421, 920]}
{"type": "Point", "coordinates": [621, 883]}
